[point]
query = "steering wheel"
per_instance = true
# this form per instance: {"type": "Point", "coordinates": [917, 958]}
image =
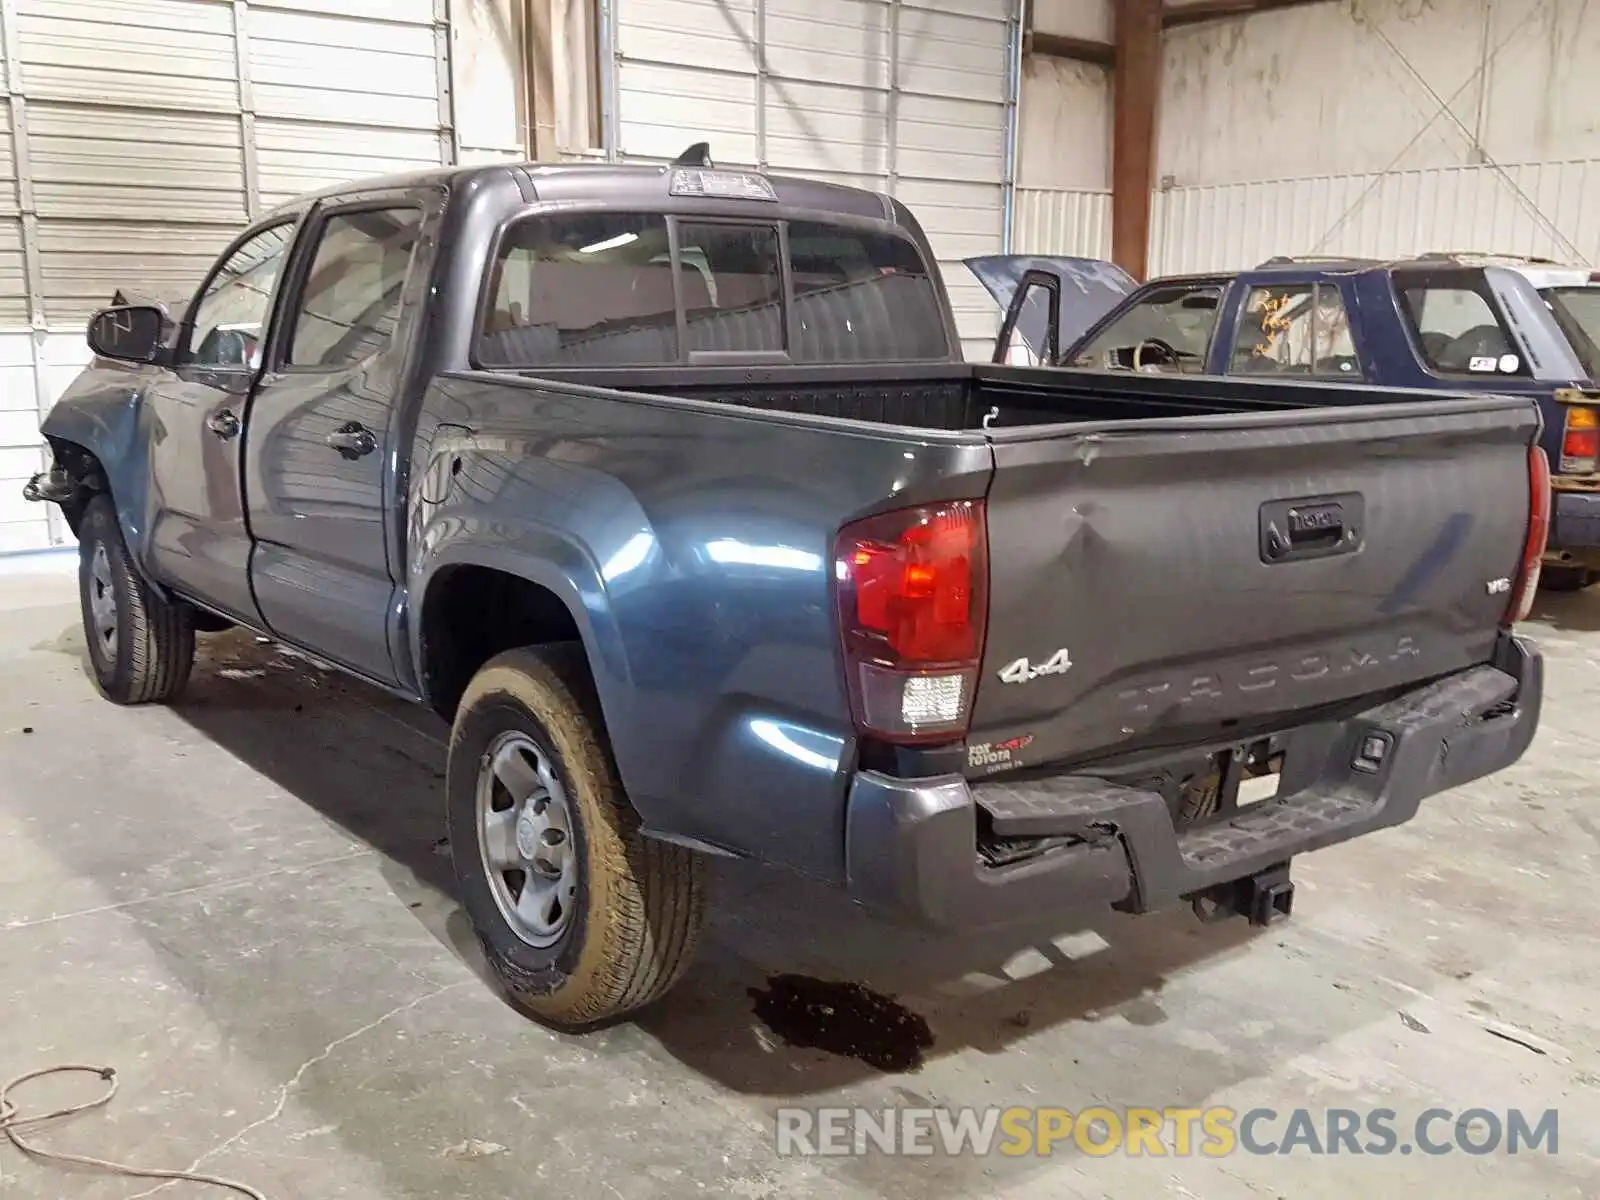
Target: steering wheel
{"type": "Point", "coordinates": [1165, 349]}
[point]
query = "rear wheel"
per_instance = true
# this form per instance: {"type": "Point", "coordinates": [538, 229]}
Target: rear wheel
{"type": "Point", "coordinates": [582, 917]}
{"type": "Point", "coordinates": [1565, 579]}
{"type": "Point", "coordinates": [141, 646]}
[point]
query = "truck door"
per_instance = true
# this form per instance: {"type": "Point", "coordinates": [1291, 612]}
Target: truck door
{"type": "Point", "coordinates": [321, 444]}
{"type": "Point", "coordinates": [198, 539]}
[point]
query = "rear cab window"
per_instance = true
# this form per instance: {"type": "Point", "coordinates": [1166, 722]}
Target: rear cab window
{"type": "Point", "coordinates": [1167, 330]}
{"type": "Point", "coordinates": [1295, 328]}
{"type": "Point", "coordinates": [1576, 310]}
{"type": "Point", "coordinates": [1455, 324]}
{"type": "Point", "coordinates": [644, 289]}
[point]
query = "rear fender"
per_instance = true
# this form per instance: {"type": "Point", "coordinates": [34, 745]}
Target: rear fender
{"type": "Point", "coordinates": [542, 557]}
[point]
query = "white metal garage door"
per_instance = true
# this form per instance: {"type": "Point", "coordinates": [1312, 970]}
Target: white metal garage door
{"type": "Point", "coordinates": [141, 133]}
{"type": "Point", "coordinates": [899, 96]}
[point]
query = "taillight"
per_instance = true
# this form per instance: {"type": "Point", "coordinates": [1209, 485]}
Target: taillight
{"type": "Point", "coordinates": [913, 592]}
{"type": "Point", "coordinates": [1527, 584]}
{"type": "Point", "coordinates": [1580, 441]}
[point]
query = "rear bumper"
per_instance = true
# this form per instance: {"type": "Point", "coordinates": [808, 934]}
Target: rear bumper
{"type": "Point", "coordinates": [1574, 529]}
{"type": "Point", "coordinates": [911, 845]}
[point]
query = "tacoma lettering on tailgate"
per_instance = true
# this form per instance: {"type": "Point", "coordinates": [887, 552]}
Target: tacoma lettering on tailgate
{"type": "Point", "coordinates": [1265, 676]}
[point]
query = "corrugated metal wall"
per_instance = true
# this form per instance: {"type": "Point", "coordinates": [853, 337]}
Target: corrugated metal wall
{"type": "Point", "coordinates": [905, 97]}
{"type": "Point", "coordinates": [1546, 209]}
{"type": "Point", "coordinates": [140, 134]}
{"type": "Point", "coordinates": [1064, 222]}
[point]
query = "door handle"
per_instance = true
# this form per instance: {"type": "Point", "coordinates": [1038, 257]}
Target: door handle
{"type": "Point", "coordinates": [224, 424]}
{"type": "Point", "coordinates": [353, 440]}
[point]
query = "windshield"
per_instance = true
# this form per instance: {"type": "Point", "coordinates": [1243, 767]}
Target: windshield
{"type": "Point", "coordinates": [1167, 329]}
{"type": "Point", "coordinates": [1577, 311]}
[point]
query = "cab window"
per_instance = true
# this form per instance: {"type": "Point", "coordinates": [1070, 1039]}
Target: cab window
{"type": "Point", "coordinates": [351, 298]}
{"type": "Point", "coordinates": [1165, 331]}
{"type": "Point", "coordinates": [1294, 329]}
{"type": "Point", "coordinates": [1456, 326]}
{"type": "Point", "coordinates": [229, 324]}
{"type": "Point", "coordinates": [599, 290]}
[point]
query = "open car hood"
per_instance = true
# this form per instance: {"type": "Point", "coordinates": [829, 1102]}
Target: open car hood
{"type": "Point", "coordinates": [1090, 288]}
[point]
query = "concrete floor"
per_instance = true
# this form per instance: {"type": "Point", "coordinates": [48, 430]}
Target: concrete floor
{"type": "Point", "coordinates": [242, 905]}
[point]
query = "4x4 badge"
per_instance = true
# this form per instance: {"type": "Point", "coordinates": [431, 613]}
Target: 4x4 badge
{"type": "Point", "coordinates": [1022, 671]}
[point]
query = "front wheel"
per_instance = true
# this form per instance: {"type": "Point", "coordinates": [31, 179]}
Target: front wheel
{"type": "Point", "coordinates": [141, 646]}
{"type": "Point", "coordinates": [582, 917]}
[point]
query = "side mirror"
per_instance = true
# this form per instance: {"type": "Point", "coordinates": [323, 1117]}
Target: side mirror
{"type": "Point", "coordinates": [128, 332]}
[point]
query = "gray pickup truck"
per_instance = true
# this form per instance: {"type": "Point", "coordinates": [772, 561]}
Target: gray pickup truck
{"type": "Point", "coordinates": [669, 488]}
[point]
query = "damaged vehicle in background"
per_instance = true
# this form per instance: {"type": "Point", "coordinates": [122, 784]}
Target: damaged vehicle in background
{"type": "Point", "coordinates": [1455, 322]}
{"type": "Point", "coordinates": [669, 489]}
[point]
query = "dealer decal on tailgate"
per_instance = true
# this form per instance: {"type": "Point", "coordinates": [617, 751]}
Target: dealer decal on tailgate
{"type": "Point", "coordinates": [998, 756]}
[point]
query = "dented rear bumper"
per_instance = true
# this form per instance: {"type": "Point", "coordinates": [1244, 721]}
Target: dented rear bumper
{"type": "Point", "coordinates": [911, 845]}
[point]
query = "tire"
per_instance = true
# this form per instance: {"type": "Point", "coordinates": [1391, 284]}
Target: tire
{"type": "Point", "coordinates": [1565, 579]}
{"type": "Point", "coordinates": [613, 923]}
{"type": "Point", "coordinates": [141, 646]}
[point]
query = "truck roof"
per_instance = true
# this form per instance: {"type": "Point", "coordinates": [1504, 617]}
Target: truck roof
{"type": "Point", "coordinates": [630, 184]}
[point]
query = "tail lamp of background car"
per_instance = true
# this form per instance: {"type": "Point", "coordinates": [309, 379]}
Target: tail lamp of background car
{"type": "Point", "coordinates": [1527, 581]}
{"type": "Point", "coordinates": [913, 593]}
{"type": "Point", "coordinates": [1580, 441]}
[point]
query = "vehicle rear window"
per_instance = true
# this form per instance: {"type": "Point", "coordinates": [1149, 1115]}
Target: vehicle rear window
{"type": "Point", "coordinates": [1577, 311]}
{"type": "Point", "coordinates": [1457, 328]}
{"type": "Point", "coordinates": [733, 291]}
{"type": "Point", "coordinates": [599, 290]}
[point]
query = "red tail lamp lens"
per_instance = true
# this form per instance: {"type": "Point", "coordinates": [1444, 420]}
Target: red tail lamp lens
{"type": "Point", "coordinates": [913, 603]}
{"type": "Point", "coordinates": [1527, 584]}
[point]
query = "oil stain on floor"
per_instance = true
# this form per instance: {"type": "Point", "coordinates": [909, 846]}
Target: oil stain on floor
{"type": "Point", "coordinates": [845, 1019]}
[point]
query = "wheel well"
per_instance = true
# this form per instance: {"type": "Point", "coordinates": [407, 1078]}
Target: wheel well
{"type": "Point", "coordinates": [85, 478]}
{"type": "Point", "coordinates": [472, 613]}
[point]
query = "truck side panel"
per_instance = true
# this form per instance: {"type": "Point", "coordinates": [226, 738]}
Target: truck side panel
{"type": "Point", "coordinates": [694, 548]}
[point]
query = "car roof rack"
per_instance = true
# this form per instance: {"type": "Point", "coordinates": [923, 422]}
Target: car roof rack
{"type": "Point", "coordinates": [1309, 260]}
{"type": "Point", "coordinates": [1462, 256]}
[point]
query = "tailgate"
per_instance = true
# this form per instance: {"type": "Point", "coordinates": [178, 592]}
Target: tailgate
{"type": "Point", "coordinates": [1172, 581]}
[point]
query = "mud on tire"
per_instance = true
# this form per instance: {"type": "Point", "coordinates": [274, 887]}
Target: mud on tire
{"type": "Point", "coordinates": [626, 911]}
{"type": "Point", "coordinates": [141, 646]}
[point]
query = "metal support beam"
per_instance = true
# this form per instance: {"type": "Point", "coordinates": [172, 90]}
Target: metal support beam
{"type": "Point", "coordinates": [1056, 45]}
{"type": "Point", "coordinates": [1136, 87]}
{"type": "Point", "coordinates": [32, 271]}
{"type": "Point", "coordinates": [1016, 33]}
{"type": "Point", "coordinates": [539, 97]}
{"type": "Point", "coordinates": [32, 262]}
{"type": "Point", "coordinates": [759, 50]}
{"type": "Point", "coordinates": [444, 70]}
{"type": "Point", "coordinates": [610, 56]}
{"type": "Point", "coordinates": [1212, 10]}
{"type": "Point", "coordinates": [247, 109]}
{"type": "Point", "coordinates": [891, 110]}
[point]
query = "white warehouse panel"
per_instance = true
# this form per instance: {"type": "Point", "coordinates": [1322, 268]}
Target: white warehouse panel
{"type": "Point", "coordinates": [139, 135]}
{"type": "Point", "coordinates": [1075, 223]}
{"type": "Point", "coordinates": [1547, 209]}
{"type": "Point", "coordinates": [906, 98]}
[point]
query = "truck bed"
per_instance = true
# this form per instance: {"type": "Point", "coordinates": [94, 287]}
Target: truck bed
{"type": "Point", "coordinates": [1213, 555]}
{"type": "Point", "coordinates": [955, 397]}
